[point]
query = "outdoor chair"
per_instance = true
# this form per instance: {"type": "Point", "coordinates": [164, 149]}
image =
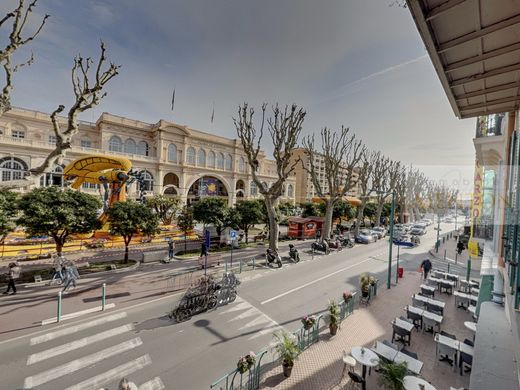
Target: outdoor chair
{"type": "Point", "coordinates": [417, 303]}
{"type": "Point", "coordinates": [401, 335]}
{"type": "Point", "coordinates": [447, 287]}
{"type": "Point", "coordinates": [447, 353]}
{"type": "Point", "coordinates": [409, 353]}
{"type": "Point", "coordinates": [465, 358]}
{"type": "Point", "coordinates": [434, 309]}
{"type": "Point", "coordinates": [427, 293]}
{"type": "Point", "coordinates": [416, 319]}
{"type": "Point", "coordinates": [453, 279]}
{"type": "Point", "coordinates": [355, 380]}
{"type": "Point", "coordinates": [391, 345]}
{"type": "Point", "coordinates": [429, 325]}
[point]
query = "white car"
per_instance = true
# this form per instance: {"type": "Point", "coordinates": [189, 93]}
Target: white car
{"type": "Point", "coordinates": [381, 230]}
{"type": "Point", "coordinates": [418, 230]}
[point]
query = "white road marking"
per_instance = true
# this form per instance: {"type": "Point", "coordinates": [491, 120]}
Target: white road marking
{"type": "Point", "coordinates": [76, 328]}
{"type": "Point", "coordinates": [61, 349]}
{"type": "Point", "coordinates": [268, 330]}
{"type": "Point", "coordinates": [118, 372]}
{"type": "Point", "coordinates": [249, 313]}
{"type": "Point", "coordinates": [78, 314]}
{"type": "Point", "coordinates": [256, 321]}
{"type": "Point", "coordinates": [78, 364]}
{"type": "Point", "coordinates": [154, 384]}
{"type": "Point", "coordinates": [312, 282]}
{"type": "Point", "coordinates": [240, 306]}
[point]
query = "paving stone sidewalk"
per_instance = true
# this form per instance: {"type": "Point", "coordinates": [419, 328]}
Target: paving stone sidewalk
{"type": "Point", "coordinates": [321, 366]}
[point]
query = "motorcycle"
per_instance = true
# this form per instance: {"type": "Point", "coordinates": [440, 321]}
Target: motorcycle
{"type": "Point", "coordinates": [321, 247]}
{"type": "Point", "coordinates": [415, 240]}
{"type": "Point", "coordinates": [347, 242]}
{"type": "Point", "coordinates": [336, 244]}
{"type": "Point", "coordinates": [272, 256]}
{"type": "Point", "coordinates": [293, 253]}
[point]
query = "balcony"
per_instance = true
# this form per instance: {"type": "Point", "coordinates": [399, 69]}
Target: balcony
{"type": "Point", "coordinates": [490, 141]}
{"type": "Point", "coordinates": [490, 125]}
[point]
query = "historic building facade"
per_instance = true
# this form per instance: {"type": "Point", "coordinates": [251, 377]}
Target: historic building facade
{"type": "Point", "coordinates": [173, 159]}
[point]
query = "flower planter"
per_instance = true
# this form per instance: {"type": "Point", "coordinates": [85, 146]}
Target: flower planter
{"type": "Point", "coordinates": [287, 370]}
{"type": "Point", "coordinates": [333, 329]}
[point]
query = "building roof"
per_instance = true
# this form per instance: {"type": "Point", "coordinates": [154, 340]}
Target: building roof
{"type": "Point", "coordinates": [474, 46]}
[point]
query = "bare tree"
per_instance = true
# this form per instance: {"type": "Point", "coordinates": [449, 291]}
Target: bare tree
{"type": "Point", "coordinates": [400, 192]}
{"type": "Point", "coordinates": [284, 127]}
{"type": "Point", "coordinates": [381, 183]}
{"type": "Point", "coordinates": [88, 93]}
{"type": "Point", "coordinates": [365, 176]}
{"type": "Point", "coordinates": [340, 152]}
{"type": "Point", "coordinates": [19, 18]}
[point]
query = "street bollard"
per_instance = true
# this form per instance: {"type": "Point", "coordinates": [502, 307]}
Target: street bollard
{"type": "Point", "coordinates": [58, 314]}
{"type": "Point", "coordinates": [103, 296]}
{"type": "Point", "coordinates": [443, 239]}
{"type": "Point", "coordinates": [445, 255]}
{"type": "Point", "coordinates": [468, 269]}
{"type": "Point", "coordinates": [448, 267]}
{"type": "Point", "coordinates": [456, 254]}
{"type": "Point", "coordinates": [312, 258]}
{"type": "Point", "coordinates": [226, 267]}
{"type": "Point", "coordinates": [253, 263]}
{"type": "Point", "coordinates": [240, 267]}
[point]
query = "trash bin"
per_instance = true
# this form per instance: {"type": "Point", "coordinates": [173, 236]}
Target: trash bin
{"type": "Point", "coordinates": [400, 272]}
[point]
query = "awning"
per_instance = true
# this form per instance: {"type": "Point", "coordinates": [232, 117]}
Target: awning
{"type": "Point", "coordinates": [474, 46]}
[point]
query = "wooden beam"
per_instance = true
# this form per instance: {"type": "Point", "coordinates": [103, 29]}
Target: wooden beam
{"type": "Point", "coordinates": [508, 99]}
{"type": "Point", "coordinates": [485, 75]}
{"type": "Point", "coordinates": [436, 11]}
{"type": "Point", "coordinates": [480, 92]}
{"type": "Point", "coordinates": [498, 110]}
{"type": "Point", "coordinates": [479, 33]}
{"type": "Point", "coordinates": [486, 56]}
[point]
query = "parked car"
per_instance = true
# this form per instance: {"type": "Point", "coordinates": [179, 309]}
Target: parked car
{"type": "Point", "coordinates": [381, 230]}
{"type": "Point", "coordinates": [364, 237]}
{"type": "Point", "coordinates": [418, 230]}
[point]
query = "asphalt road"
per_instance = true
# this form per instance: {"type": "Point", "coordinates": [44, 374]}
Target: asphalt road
{"type": "Point", "coordinates": [142, 344]}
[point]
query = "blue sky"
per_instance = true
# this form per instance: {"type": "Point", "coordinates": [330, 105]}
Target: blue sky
{"type": "Point", "coordinates": [358, 63]}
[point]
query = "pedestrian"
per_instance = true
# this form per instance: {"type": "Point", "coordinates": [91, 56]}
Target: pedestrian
{"type": "Point", "coordinates": [460, 247]}
{"type": "Point", "coordinates": [203, 250]}
{"type": "Point", "coordinates": [14, 273]}
{"type": "Point", "coordinates": [318, 234]}
{"type": "Point", "coordinates": [58, 267]}
{"type": "Point", "coordinates": [71, 274]}
{"type": "Point", "coordinates": [426, 266]}
{"type": "Point", "coordinates": [171, 248]}
{"type": "Point", "coordinates": [125, 384]}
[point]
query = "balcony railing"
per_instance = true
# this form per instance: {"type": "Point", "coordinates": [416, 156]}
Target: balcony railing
{"type": "Point", "coordinates": [489, 125]}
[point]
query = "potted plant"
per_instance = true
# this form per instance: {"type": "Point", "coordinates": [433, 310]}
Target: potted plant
{"type": "Point", "coordinates": [347, 296]}
{"type": "Point", "coordinates": [333, 317]}
{"type": "Point", "coordinates": [287, 350]}
{"type": "Point", "coordinates": [245, 363]}
{"type": "Point", "coordinates": [391, 375]}
{"type": "Point", "coordinates": [308, 322]}
{"type": "Point", "coordinates": [364, 281]}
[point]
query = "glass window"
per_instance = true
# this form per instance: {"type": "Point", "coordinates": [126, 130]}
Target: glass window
{"type": "Point", "coordinates": [115, 144]}
{"type": "Point", "coordinates": [142, 148]}
{"type": "Point", "coordinates": [172, 153]}
{"type": "Point", "coordinates": [147, 180]}
{"type": "Point", "coordinates": [220, 161]}
{"type": "Point", "coordinates": [211, 159]}
{"type": "Point", "coordinates": [13, 168]}
{"type": "Point", "coordinates": [89, 186]}
{"type": "Point", "coordinates": [201, 158]}
{"type": "Point", "coordinates": [253, 189]}
{"type": "Point", "coordinates": [55, 178]}
{"type": "Point", "coordinates": [86, 143]}
{"type": "Point", "coordinates": [52, 139]}
{"type": "Point", "coordinates": [241, 164]}
{"type": "Point", "coordinates": [290, 191]}
{"type": "Point", "coordinates": [190, 156]}
{"type": "Point", "coordinates": [19, 134]}
{"type": "Point", "coordinates": [130, 146]}
{"type": "Point", "coordinates": [229, 162]}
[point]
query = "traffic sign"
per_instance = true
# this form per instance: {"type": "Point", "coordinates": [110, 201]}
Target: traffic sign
{"type": "Point", "coordinates": [233, 234]}
{"type": "Point", "coordinates": [439, 229]}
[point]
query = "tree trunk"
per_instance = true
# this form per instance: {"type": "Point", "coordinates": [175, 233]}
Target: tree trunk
{"type": "Point", "coordinates": [127, 243]}
{"type": "Point", "coordinates": [273, 224]}
{"type": "Point", "coordinates": [360, 218]}
{"type": "Point", "coordinates": [246, 232]}
{"type": "Point", "coordinates": [327, 223]}
{"type": "Point", "coordinates": [59, 246]}
{"type": "Point", "coordinates": [379, 211]}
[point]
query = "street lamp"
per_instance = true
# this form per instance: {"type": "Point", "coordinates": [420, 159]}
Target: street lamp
{"type": "Point", "coordinates": [391, 240]}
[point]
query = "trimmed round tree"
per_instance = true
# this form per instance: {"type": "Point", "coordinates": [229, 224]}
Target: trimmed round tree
{"type": "Point", "coordinates": [130, 218]}
{"type": "Point", "coordinates": [58, 213]}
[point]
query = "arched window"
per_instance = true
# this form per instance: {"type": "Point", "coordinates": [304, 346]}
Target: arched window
{"type": "Point", "coordinates": [55, 178]}
{"type": "Point", "coordinates": [211, 159]}
{"type": "Point", "coordinates": [201, 158]}
{"type": "Point", "coordinates": [130, 146]}
{"type": "Point", "coordinates": [241, 165]}
{"type": "Point", "coordinates": [115, 144]}
{"type": "Point", "coordinates": [290, 191]}
{"type": "Point", "coordinates": [142, 148]}
{"type": "Point", "coordinates": [86, 142]}
{"type": "Point", "coordinates": [220, 161]}
{"type": "Point", "coordinates": [190, 156]}
{"type": "Point", "coordinates": [229, 162]}
{"type": "Point", "coordinates": [253, 189]}
{"type": "Point", "coordinates": [147, 179]}
{"type": "Point", "coordinates": [13, 168]}
{"type": "Point", "coordinates": [172, 153]}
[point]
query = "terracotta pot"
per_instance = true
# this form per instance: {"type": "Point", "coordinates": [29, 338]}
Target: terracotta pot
{"type": "Point", "coordinates": [287, 370]}
{"type": "Point", "coordinates": [333, 329]}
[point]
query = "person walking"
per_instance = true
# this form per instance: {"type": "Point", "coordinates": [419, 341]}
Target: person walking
{"type": "Point", "coordinates": [58, 267]}
{"type": "Point", "coordinates": [71, 274]}
{"type": "Point", "coordinates": [14, 273]}
{"type": "Point", "coordinates": [171, 248]}
{"type": "Point", "coordinates": [460, 247]}
{"type": "Point", "coordinates": [426, 266]}
{"type": "Point", "coordinates": [125, 384]}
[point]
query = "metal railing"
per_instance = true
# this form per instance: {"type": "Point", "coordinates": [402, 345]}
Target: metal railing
{"type": "Point", "coordinates": [250, 380]}
{"type": "Point", "coordinates": [489, 125]}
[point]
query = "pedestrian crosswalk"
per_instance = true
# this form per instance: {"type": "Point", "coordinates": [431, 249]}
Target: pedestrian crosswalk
{"type": "Point", "coordinates": [74, 358]}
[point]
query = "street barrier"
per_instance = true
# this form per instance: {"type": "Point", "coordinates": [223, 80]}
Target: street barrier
{"type": "Point", "coordinates": [58, 313]}
{"type": "Point", "coordinates": [103, 296]}
{"type": "Point", "coordinates": [250, 380]}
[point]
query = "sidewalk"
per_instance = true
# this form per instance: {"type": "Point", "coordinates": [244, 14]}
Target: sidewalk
{"type": "Point", "coordinates": [320, 367]}
{"type": "Point", "coordinates": [449, 247]}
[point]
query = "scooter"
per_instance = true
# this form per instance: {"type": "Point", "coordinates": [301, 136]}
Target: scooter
{"type": "Point", "coordinates": [415, 240]}
{"type": "Point", "coordinates": [321, 247]}
{"type": "Point", "coordinates": [347, 242]}
{"type": "Point", "coordinates": [336, 244]}
{"type": "Point", "coordinates": [293, 253]}
{"type": "Point", "coordinates": [272, 256]}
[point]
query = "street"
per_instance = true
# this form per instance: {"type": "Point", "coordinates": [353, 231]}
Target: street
{"type": "Point", "coordinates": [143, 344]}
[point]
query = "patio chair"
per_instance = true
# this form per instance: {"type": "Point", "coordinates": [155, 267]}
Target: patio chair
{"type": "Point", "coordinates": [417, 303]}
{"type": "Point", "coordinates": [434, 309]}
{"type": "Point", "coordinates": [447, 287]}
{"type": "Point", "coordinates": [389, 344]}
{"type": "Point", "coordinates": [428, 293]}
{"type": "Point", "coordinates": [409, 353]}
{"type": "Point", "coordinates": [447, 353]}
{"type": "Point", "coordinates": [403, 335]}
{"type": "Point", "coordinates": [356, 380]}
{"type": "Point", "coordinates": [465, 358]}
{"type": "Point", "coordinates": [429, 325]}
{"type": "Point", "coordinates": [417, 319]}
{"type": "Point", "coordinates": [348, 363]}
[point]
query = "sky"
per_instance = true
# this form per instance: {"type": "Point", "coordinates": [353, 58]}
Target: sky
{"type": "Point", "coordinates": [357, 63]}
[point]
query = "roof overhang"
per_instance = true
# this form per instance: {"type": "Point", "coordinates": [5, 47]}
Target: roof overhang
{"type": "Point", "coordinates": [474, 46]}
